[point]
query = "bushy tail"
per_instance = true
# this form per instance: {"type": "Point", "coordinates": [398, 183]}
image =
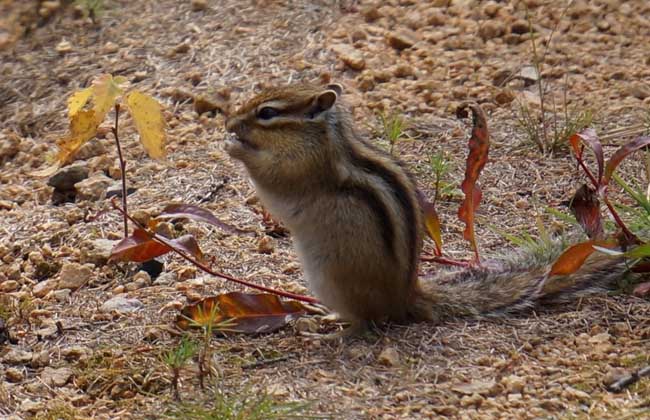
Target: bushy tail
{"type": "Point", "coordinates": [500, 288]}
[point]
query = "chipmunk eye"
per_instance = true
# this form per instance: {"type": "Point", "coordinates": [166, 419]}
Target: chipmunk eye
{"type": "Point", "coordinates": [267, 113]}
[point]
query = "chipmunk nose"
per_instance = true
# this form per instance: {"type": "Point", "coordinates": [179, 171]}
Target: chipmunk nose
{"type": "Point", "coordinates": [233, 124]}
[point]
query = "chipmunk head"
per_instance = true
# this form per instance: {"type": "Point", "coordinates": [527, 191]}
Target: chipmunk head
{"type": "Point", "coordinates": [281, 132]}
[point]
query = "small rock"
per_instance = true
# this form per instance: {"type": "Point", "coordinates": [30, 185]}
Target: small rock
{"type": "Point", "coordinates": [529, 75]}
{"type": "Point", "coordinates": [30, 406]}
{"type": "Point", "coordinates": [403, 70]}
{"type": "Point", "coordinates": [389, 357]}
{"type": "Point", "coordinates": [491, 29]}
{"type": "Point", "coordinates": [181, 48]}
{"type": "Point", "coordinates": [8, 286]}
{"type": "Point", "coordinates": [110, 48]}
{"type": "Point", "coordinates": [56, 377]}
{"type": "Point", "coordinates": [371, 13]}
{"type": "Point", "coordinates": [65, 178]}
{"type": "Point", "coordinates": [613, 375]}
{"type": "Point", "coordinates": [402, 38]}
{"type": "Point", "coordinates": [122, 305]}
{"type": "Point", "coordinates": [504, 96]}
{"type": "Point", "coordinates": [73, 275]}
{"type": "Point", "coordinates": [199, 5]}
{"type": "Point", "coordinates": [520, 27]}
{"type": "Point", "coordinates": [48, 8]}
{"type": "Point", "coordinates": [600, 338]}
{"type": "Point", "coordinates": [93, 188]}
{"type": "Point", "coordinates": [76, 352]}
{"type": "Point", "coordinates": [91, 149]}
{"type": "Point", "coordinates": [474, 400]}
{"type": "Point", "coordinates": [265, 245]}
{"type": "Point", "coordinates": [40, 359]}
{"type": "Point", "coordinates": [350, 56]}
{"type": "Point", "coordinates": [571, 393]}
{"type": "Point", "coordinates": [6, 205]}
{"type": "Point", "coordinates": [63, 47]}
{"type": "Point", "coordinates": [61, 295]}
{"type": "Point", "coordinates": [9, 146]}
{"type": "Point", "coordinates": [514, 383]}
{"type": "Point", "coordinates": [142, 278]}
{"type": "Point", "coordinates": [14, 374]}
{"type": "Point", "coordinates": [96, 251]}
{"type": "Point", "coordinates": [166, 279]}
{"type": "Point", "coordinates": [306, 324]}
{"type": "Point", "coordinates": [18, 357]}
{"type": "Point", "coordinates": [43, 288]}
{"type": "Point", "coordinates": [487, 388]}
{"type": "Point", "coordinates": [639, 90]}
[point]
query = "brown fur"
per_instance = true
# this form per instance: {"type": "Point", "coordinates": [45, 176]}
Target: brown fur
{"type": "Point", "coordinates": [357, 223]}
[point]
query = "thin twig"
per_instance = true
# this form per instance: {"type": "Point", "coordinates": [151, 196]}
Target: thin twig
{"type": "Point", "coordinates": [207, 269]}
{"type": "Point", "coordinates": [123, 170]}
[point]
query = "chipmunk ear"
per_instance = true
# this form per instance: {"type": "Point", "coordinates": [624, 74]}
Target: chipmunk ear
{"type": "Point", "coordinates": [336, 88]}
{"type": "Point", "coordinates": [322, 102]}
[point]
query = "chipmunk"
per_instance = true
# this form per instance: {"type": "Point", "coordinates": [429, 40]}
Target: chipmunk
{"type": "Point", "coordinates": [357, 224]}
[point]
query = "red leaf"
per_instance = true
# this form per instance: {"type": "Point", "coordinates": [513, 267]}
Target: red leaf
{"type": "Point", "coordinates": [479, 145]}
{"type": "Point", "coordinates": [198, 214]}
{"type": "Point", "coordinates": [622, 153]}
{"type": "Point", "coordinates": [585, 206]}
{"type": "Point", "coordinates": [139, 247]}
{"type": "Point", "coordinates": [241, 312]}
{"type": "Point", "coordinates": [642, 290]}
{"type": "Point", "coordinates": [575, 256]}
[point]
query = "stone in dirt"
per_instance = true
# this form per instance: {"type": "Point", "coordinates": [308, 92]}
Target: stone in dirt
{"type": "Point", "coordinates": [56, 377]}
{"type": "Point", "coordinates": [18, 357]}
{"type": "Point", "coordinates": [402, 39]}
{"type": "Point", "coordinates": [65, 178]}
{"type": "Point", "coordinates": [43, 288]}
{"type": "Point", "coordinates": [93, 188]}
{"type": "Point", "coordinates": [122, 305]}
{"type": "Point", "coordinates": [389, 357]}
{"type": "Point", "coordinates": [350, 56]}
{"type": "Point", "coordinates": [96, 251]}
{"type": "Point", "coordinates": [73, 275]}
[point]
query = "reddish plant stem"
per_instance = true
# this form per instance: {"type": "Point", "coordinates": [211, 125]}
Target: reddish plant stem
{"type": "Point", "coordinates": [207, 269]}
{"type": "Point", "coordinates": [628, 234]}
{"type": "Point", "coordinates": [588, 172]}
{"type": "Point", "coordinates": [446, 261]}
{"type": "Point", "coordinates": [122, 169]}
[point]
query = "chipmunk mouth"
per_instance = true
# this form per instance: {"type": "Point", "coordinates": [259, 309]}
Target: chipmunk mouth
{"type": "Point", "coordinates": [235, 143]}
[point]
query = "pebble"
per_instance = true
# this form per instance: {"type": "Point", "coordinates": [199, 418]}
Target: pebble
{"type": "Point", "coordinates": [93, 188]}
{"type": "Point", "coordinates": [389, 356]}
{"type": "Point", "coordinates": [96, 251]}
{"type": "Point", "coordinates": [65, 178]}
{"type": "Point", "coordinates": [56, 377]}
{"type": "Point", "coordinates": [352, 57]}
{"type": "Point", "coordinates": [9, 286]}
{"type": "Point", "coordinates": [14, 374]}
{"type": "Point", "coordinates": [42, 288]}
{"type": "Point", "coordinates": [17, 356]}
{"type": "Point", "coordinates": [122, 305]}
{"type": "Point", "coordinates": [402, 38]}
{"type": "Point", "coordinates": [74, 275]}
{"type": "Point", "coordinates": [198, 5]}
{"type": "Point", "coordinates": [266, 245]}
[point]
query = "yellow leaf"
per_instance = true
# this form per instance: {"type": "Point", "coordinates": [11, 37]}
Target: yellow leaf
{"type": "Point", "coordinates": [148, 118]}
{"type": "Point", "coordinates": [78, 100]}
{"type": "Point", "coordinates": [83, 127]}
{"type": "Point", "coordinates": [105, 92]}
